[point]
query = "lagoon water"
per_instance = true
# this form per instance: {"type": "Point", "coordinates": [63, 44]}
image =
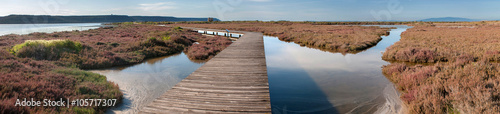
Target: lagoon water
{"type": "Point", "coordinates": [301, 79]}
{"type": "Point", "coordinates": [306, 80]}
{"type": "Point", "coordinates": [142, 83]}
{"type": "Point", "coordinates": [47, 28]}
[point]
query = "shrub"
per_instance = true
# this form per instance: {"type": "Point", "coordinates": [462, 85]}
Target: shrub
{"type": "Point", "coordinates": [5, 55]}
{"type": "Point", "coordinates": [165, 38]}
{"type": "Point", "coordinates": [28, 78]}
{"type": "Point", "coordinates": [46, 49]}
{"type": "Point", "coordinates": [462, 81]}
{"type": "Point", "coordinates": [82, 76]}
{"type": "Point", "coordinates": [416, 55]}
{"type": "Point", "coordinates": [114, 44]}
{"type": "Point", "coordinates": [448, 87]}
{"type": "Point", "coordinates": [100, 43]}
{"type": "Point", "coordinates": [91, 85]}
{"type": "Point", "coordinates": [65, 44]}
{"type": "Point", "coordinates": [79, 110]}
{"type": "Point", "coordinates": [207, 48]}
{"type": "Point", "coordinates": [177, 28]}
{"type": "Point", "coordinates": [446, 42]}
{"type": "Point", "coordinates": [6, 108]}
{"type": "Point", "coordinates": [152, 39]}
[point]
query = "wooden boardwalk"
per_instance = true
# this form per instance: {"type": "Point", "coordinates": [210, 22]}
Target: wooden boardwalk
{"type": "Point", "coordinates": [234, 81]}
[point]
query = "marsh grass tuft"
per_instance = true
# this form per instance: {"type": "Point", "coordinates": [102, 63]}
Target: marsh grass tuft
{"type": "Point", "coordinates": [465, 77]}
{"type": "Point", "coordinates": [45, 49]}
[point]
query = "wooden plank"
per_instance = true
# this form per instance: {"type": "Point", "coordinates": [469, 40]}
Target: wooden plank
{"type": "Point", "coordinates": [234, 81]}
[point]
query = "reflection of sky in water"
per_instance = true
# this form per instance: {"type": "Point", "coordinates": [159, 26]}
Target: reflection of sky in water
{"type": "Point", "coordinates": [350, 83]}
{"type": "Point", "coordinates": [142, 83]}
{"type": "Point", "coordinates": [48, 28]}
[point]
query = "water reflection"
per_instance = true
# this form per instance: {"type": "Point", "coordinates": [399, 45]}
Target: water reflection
{"type": "Point", "coordinates": [47, 28]}
{"type": "Point", "coordinates": [142, 83]}
{"type": "Point", "coordinates": [305, 80]}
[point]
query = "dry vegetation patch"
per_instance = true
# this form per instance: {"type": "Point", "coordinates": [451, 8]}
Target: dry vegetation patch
{"type": "Point", "coordinates": [45, 49]}
{"type": "Point", "coordinates": [47, 65]}
{"type": "Point", "coordinates": [470, 87]}
{"type": "Point", "coordinates": [466, 77]}
{"type": "Point", "coordinates": [207, 48]}
{"type": "Point", "coordinates": [334, 38]}
{"type": "Point", "coordinates": [445, 42]}
{"type": "Point", "coordinates": [109, 46]}
{"type": "Point", "coordinates": [41, 79]}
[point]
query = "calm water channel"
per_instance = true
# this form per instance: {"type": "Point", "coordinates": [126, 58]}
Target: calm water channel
{"type": "Point", "coordinates": [305, 80]}
{"type": "Point", "coordinates": [142, 83]}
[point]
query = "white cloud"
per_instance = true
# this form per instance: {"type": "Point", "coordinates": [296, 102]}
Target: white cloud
{"type": "Point", "coordinates": [157, 6]}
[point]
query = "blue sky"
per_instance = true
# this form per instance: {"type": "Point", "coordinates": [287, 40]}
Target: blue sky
{"type": "Point", "coordinates": [294, 10]}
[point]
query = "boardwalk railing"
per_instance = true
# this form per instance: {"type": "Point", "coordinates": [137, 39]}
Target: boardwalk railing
{"type": "Point", "coordinates": [220, 33]}
{"type": "Point", "coordinates": [234, 81]}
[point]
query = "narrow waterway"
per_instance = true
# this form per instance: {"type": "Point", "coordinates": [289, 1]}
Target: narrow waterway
{"type": "Point", "coordinates": [306, 80]}
{"type": "Point", "coordinates": [142, 83]}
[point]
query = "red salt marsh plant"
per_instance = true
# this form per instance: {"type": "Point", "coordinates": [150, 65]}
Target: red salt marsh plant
{"type": "Point", "coordinates": [46, 65]}
{"type": "Point", "coordinates": [446, 41]}
{"type": "Point", "coordinates": [344, 39]}
{"type": "Point", "coordinates": [465, 78]}
{"type": "Point", "coordinates": [447, 87]}
{"type": "Point", "coordinates": [207, 48]}
{"type": "Point", "coordinates": [28, 78]}
{"type": "Point", "coordinates": [104, 47]}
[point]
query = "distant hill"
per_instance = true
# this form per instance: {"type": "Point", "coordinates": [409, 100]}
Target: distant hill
{"type": "Point", "coordinates": [32, 19]}
{"type": "Point", "coordinates": [449, 19]}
